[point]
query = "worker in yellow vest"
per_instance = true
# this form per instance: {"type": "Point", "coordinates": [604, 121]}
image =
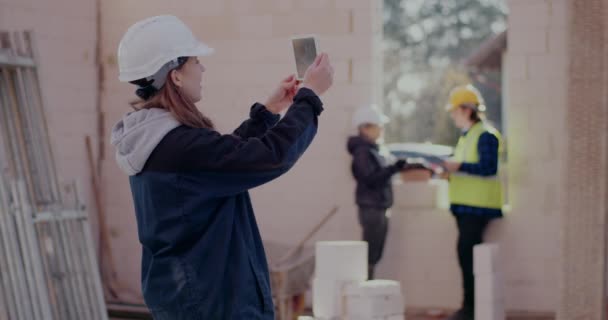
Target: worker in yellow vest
{"type": "Point", "coordinates": [475, 190]}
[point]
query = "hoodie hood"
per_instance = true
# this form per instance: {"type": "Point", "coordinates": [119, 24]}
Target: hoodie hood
{"type": "Point", "coordinates": [356, 142]}
{"type": "Point", "coordinates": [137, 134]}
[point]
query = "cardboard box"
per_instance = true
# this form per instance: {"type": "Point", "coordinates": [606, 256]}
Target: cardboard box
{"type": "Point", "coordinates": [416, 175]}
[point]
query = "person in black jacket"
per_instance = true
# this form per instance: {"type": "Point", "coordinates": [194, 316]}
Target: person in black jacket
{"type": "Point", "coordinates": [202, 253]}
{"type": "Point", "coordinates": [374, 193]}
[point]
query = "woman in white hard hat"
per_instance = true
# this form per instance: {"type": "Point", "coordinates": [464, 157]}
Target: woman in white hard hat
{"type": "Point", "coordinates": [374, 192]}
{"type": "Point", "coordinates": [202, 254]}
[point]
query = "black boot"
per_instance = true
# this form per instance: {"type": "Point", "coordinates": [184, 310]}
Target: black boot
{"type": "Point", "coordinates": [370, 272]}
{"type": "Point", "coordinates": [461, 315]}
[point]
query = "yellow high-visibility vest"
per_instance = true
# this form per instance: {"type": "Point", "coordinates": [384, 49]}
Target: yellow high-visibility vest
{"type": "Point", "coordinates": [473, 190]}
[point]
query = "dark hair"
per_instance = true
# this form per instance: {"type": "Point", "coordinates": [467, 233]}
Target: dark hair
{"type": "Point", "coordinates": [145, 90]}
{"type": "Point", "coordinates": [475, 116]}
{"type": "Point", "coordinates": [170, 98]}
{"type": "Point", "coordinates": [146, 86]}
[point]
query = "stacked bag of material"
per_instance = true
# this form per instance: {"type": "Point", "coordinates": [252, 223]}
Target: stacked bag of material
{"type": "Point", "coordinates": [341, 290]}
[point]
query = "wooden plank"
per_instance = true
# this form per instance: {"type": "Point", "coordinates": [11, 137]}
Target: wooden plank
{"type": "Point", "coordinates": [19, 134]}
{"type": "Point", "coordinates": [41, 291]}
{"type": "Point", "coordinates": [34, 146]}
{"type": "Point", "coordinates": [30, 252]}
{"type": "Point", "coordinates": [9, 278]}
{"type": "Point", "coordinates": [6, 127]}
{"type": "Point", "coordinates": [39, 113]}
{"type": "Point", "coordinates": [47, 249]}
{"type": "Point", "coordinates": [79, 299]}
{"type": "Point", "coordinates": [21, 264]}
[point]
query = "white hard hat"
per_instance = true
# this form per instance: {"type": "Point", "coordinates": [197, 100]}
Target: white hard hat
{"type": "Point", "coordinates": [151, 43]}
{"type": "Point", "coordinates": [369, 115]}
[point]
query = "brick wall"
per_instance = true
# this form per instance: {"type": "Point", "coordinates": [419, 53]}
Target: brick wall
{"type": "Point", "coordinates": [536, 130]}
{"type": "Point", "coordinates": [583, 241]}
{"type": "Point", "coordinates": [421, 245]}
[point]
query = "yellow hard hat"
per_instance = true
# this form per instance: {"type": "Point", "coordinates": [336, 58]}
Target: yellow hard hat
{"type": "Point", "coordinates": [466, 96]}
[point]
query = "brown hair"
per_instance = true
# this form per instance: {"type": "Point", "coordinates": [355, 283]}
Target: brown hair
{"type": "Point", "coordinates": [475, 116]}
{"type": "Point", "coordinates": [170, 98]}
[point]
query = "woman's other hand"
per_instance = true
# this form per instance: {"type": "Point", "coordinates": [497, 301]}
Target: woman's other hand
{"type": "Point", "coordinates": [282, 97]}
{"type": "Point", "coordinates": [320, 75]}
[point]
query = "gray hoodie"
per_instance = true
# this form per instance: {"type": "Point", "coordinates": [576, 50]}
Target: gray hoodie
{"type": "Point", "coordinates": [138, 134]}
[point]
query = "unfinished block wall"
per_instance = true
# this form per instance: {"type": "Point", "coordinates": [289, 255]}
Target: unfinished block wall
{"type": "Point", "coordinates": [421, 249]}
{"type": "Point", "coordinates": [583, 243]}
{"type": "Point", "coordinates": [536, 102]}
{"type": "Point", "coordinates": [253, 53]}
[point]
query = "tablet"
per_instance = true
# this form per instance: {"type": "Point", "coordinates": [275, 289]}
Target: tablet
{"type": "Point", "coordinates": [305, 53]}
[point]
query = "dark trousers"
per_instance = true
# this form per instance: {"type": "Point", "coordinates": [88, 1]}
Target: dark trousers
{"type": "Point", "coordinates": [375, 227]}
{"type": "Point", "coordinates": [471, 229]}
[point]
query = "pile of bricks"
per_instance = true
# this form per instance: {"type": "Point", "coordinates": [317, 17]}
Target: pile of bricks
{"type": "Point", "coordinates": [341, 289]}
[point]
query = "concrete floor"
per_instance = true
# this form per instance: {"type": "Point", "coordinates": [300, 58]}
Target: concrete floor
{"type": "Point", "coordinates": [422, 317]}
{"type": "Point", "coordinates": [122, 313]}
{"type": "Point", "coordinates": [418, 317]}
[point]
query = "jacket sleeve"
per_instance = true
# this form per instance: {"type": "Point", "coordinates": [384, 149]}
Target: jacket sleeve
{"type": "Point", "coordinates": [487, 147]}
{"type": "Point", "coordinates": [231, 164]}
{"type": "Point", "coordinates": [260, 120]}
{"type": "Point", "coordinates": [368, 172]}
